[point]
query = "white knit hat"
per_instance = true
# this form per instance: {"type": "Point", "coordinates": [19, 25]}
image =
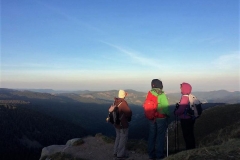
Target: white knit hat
{"type": "Point", "coordinates": [122, 94]}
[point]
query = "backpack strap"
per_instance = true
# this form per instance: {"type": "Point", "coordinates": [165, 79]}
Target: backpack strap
{"type": "Point", "coordinates": [113, 106]}
{"type": "Point", "coordinates": [188, 106]}
{"type": "Point", "coordinates": [193, 100]}
{"type": "Point", "coordinates": [119, 104]}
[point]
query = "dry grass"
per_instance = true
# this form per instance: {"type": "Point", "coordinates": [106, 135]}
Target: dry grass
{"type": "Point", "coordinates": [139, 146]}
{"type": "Point", "coordinates": [216, 118]}
{"type": "Point", "coordinates": [221, 136]}
{"type": "Point", "coordinates": [227, 150]}
{"type": "Point", "coordinates": [105, 138]}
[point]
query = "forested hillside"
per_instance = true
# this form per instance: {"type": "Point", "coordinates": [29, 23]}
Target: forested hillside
{"type": "Point", "coordinates": [24, 132]}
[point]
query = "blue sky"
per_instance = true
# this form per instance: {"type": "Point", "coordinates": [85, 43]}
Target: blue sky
{"type": "Point", "coordinates": [120, 44]}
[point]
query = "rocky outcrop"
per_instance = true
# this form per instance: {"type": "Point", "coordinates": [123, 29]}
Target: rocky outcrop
{"type": "Point", "coordinates": [53, 149]}
{"type": "Point", "coordinates": [87, 148]}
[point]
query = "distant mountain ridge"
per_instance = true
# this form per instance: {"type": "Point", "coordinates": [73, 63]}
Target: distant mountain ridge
{"type": "Point", "coordinates": [137, 97]}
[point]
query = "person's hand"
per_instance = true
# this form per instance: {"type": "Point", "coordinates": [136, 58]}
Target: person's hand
{"type": "Point", "coordinates": [177, 106]}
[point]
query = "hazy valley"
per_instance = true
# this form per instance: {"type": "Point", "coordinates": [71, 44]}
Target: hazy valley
{"type": "Point", "coordinates": [31, 120]}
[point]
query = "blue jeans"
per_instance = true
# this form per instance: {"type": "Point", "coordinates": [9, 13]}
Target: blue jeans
{"type": "Point", "coordinates": [156, 138]}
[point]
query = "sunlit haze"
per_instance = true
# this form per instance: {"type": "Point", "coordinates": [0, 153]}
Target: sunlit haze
{"type": "Point", "coordinates": [110, 44]}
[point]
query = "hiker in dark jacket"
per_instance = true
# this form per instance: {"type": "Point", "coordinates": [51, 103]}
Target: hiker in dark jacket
{"type": "Point", "coordinates": [187, 123]}
{"type": "Point", "coordinates": [125, 115]}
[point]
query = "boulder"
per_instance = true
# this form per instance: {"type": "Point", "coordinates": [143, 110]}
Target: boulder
{"type": "Point", "coordinates": [75, 142]}
{"type": "Point", "coordinates": [50, 150]}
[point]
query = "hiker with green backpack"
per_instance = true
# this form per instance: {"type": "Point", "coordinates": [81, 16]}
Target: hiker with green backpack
{"type": "Point", "coordinates": [156, 109]}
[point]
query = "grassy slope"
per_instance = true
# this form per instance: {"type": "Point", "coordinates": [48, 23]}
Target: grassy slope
{"type": "Point", "coordinates": [217, 134]}
{"type": "Point", "coordinates": [226, 150]}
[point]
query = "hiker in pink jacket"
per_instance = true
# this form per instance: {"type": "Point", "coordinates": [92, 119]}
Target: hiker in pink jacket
{"type": "Point", "coordinates": [187, 123]}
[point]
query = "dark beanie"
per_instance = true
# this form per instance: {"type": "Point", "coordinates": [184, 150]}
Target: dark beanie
{"type": "Point", "coordinates": [156, 83]}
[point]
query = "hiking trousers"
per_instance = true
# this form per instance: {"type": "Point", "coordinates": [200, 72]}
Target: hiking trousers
{"type": "Point", "coordinates": [120, 142]}
{"type": "Point", "coordinates": [156, 138]}
{"type": "Point", "coordinates": [188, 132]}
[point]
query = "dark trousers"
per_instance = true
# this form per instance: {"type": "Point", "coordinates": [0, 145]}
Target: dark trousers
{"type": "Point", "coordinates": [188, 132]}
{"type": "Point", "coordinates": [156, 138]}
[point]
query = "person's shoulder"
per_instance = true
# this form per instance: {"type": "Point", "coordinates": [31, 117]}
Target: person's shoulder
{"type": "Point", "coordinates": [125, 102]}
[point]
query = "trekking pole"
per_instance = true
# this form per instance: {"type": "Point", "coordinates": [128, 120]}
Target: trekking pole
{"type": "Point", "coordinates": [177, 136]}
{"type": "Point", "coordinates": [167, 142]}
{"type": "Point", "coordinates": [176, 130]}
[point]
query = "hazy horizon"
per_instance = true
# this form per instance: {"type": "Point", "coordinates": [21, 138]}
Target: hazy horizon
{"type": "Point", "coordinates": [75, 90]}
{"type": "Point", "coordinates": [95, 45]}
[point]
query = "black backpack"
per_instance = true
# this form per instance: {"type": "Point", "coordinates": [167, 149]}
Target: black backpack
{"type": "Point", "coordinates": [113, 115]}
{"type": "Point", "coordinates": [195, 106]}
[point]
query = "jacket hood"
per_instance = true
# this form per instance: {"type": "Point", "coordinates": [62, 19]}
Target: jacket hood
{"type": "Point", "coordinates": [186, 88]}
{"type": "Point", "coordinates": [158, 90]}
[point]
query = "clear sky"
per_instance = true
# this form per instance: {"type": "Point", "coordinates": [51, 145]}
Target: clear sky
{"type": "Point", "coordinates": [120, 44]}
